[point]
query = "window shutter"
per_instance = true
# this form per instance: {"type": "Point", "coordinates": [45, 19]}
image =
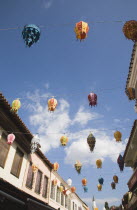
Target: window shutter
{"type": "Point", "coordinates": [30, 177]}
{"type": "Point", "coordinates": [45, 186]}
{"type": "Point", "coordinates": [4, 149]}
{"type": "Point", "coordinates": [38, 182]}
{"type": "Point", "coordinates": [17, 162]}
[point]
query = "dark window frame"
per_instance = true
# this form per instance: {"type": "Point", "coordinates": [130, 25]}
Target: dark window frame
{"type": "Point", "coordinates": [38, 183]}
{"type": "Point", "coordinates": [45, 187]}
{"type": "Point", "coordinates": [32, 177]}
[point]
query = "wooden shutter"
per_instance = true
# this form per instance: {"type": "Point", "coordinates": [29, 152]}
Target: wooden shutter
{"type": "Point", "coordinates": [45, 186]}
{"type": "Point", "coordinates": [4, 149]}
{"type": "Point", "coordinates": [17, 162]}
{"type": "Point", "coordinates": [30, 176]}
{"type": "Point", "coordinates": [38, 182]}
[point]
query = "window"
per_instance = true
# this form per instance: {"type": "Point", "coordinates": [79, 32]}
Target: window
{"type": "Point", "coordinates": [62, 199]}
{"type": "Point", "coordinates": [58, 195]}
{"type": "Point", "coordinates": [30, 176]}
{"type": "Point", "coordinates": [45, 187]}
{"type": "Point", "coordinates": [73, 206]}
{"type": "Point", "coordinates": [69, 204]}
{"type": "Point", "coordinates": [38, 182]}
{"type": "Point", "coordinates": [4, 149]}
{"type": "Point", "coordinates": [66, 201]}
{"type": "Point", "coordinates": [17, 162]}
{"type": "Point", "coordinates": [52, 194]}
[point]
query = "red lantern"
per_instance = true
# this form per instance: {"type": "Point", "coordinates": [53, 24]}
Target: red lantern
{"type": "Point", "coordinates": [84, 182]}
{"type": "Point", "coordinates": [92, 97]}
{"type": "Point", "coordinates": [10, 138]}
{"type": "Point", "coordinates": [81, 29]}
{"type": "Point", "coordinates": [55, 166]}
{"type": "Point", "coordinates": [73, 189]}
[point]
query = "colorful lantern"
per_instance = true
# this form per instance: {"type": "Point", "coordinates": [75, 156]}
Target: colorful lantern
{"type": "Point", "coordinates": [52, 104]}
{"type": "Point", "coordinates": [130, 30]}
{"type": "Point", "coordinates": [84, 182]}
{"type": "Point", "coordinates": [101, 181]}
{"type": "Point", "coordinates": [91, 141]}
{"type": "Point", "coordinates": [120, 162]}
{"type": "Point", "coordinates": [117, 136]}
{"type": "Point", "coordinates": [55, 166]}
{"type": "Point", "coordinates": [64, 140]}
{"type": "Point", "coordinates": [65, 191]}
{"type": "Point", "coordinates": [31, 34]}
{"type": "Point", "coordinates": [78, 166]}
{"type": "Point", "coordinates": [115, 178]}
{"type": "Point", "coordinates": [35, 143]}
{"type": "Point", "coordinates": [34, 168]}
{"type": "Point", "coordinates": [61, 188]}
{"type": "Point", "coordinates": [131, 93]}
{"type": "Point", "coordinates": [99, 186]}
{"type": "Point", "coordinates": [54, 182]}
{"type": "Point", "coordinates": [113, 185]}
{"type": "Point", "coordinates": [16, 104]}
{"type": "Point", "coordinates": [10, 138]}
{"type": "Point", "coordinates": [73, 189]}
{"type": "Point", "coordinates": [92, 97]}
{"type": "Point", "coordinates": [99, 163]}
{"type": "Point", "coordinates": [81, 29]}
{"type": "Point", "coordinates": [85, 189]}
{"type": "Point", "coordinates": [69, 182]}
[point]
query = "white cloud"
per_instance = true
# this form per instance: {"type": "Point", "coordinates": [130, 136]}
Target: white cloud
{"type": "Point", "coordinates": [47, 3]}
{"type": "Point", "coordinates": [46, 85]}
{"type": "Point", "coordinates": [117, 120]}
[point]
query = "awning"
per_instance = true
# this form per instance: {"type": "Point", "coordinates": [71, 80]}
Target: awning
{"type": "Point", "coordinates": [34, 205]}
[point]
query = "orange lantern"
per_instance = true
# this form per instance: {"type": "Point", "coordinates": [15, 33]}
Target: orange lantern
{"type": "Point", "coordinates": [54, 182]}
{"type": "Point", "coordinates": [61, 188]}
{"type": "Point", "coordinates": [99, 163]}
{"type": "Point", "coordinates": [115, 178]}
{"type": "Point", "coordinates": [84, 182]}
{"type": "Point", "coordinates": [55, 166]}
{"type": "Point", "coordinates": [117, 136]}
{"type": "Point", "coordinates": [130, 30]}
{"type": "Point", "coordinates": [64, 140]}
{"type": "Point", "coordinates": [73, 189]}
{"type": "Point", "coordinates": [131, 93]}
{"type": "Point", "coordinates": [34, 168]}
{"type": "Point", "coordinates": [99, 186]}
{"type": "Point", "coordinates": [81, 29]}
{"type": "Point", "coordinates": [52, 103]}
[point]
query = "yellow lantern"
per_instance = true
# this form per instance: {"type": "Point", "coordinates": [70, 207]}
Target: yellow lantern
{"type": "Point", "coordinates": [131, 93]}
{"type": "Point", "coordinates": [52, 103]}
{"type": "Point", "coordinates": [81, 29]}
{"type": "Point", "coordinates": [55, 166]}
{"type": "Point", "coordinates": [99, 163]}
{"type": "Point", "coordinates": [99, 186]}
{"type": "Point", "coordinates": [34, 168]}
{"type": "Point", "coordinates": [61, 188]}
{"type": "Point", "coordinates": [115, 178]}
{"type": "Point", "coordinates": [117, 136]}
{"type": "Point", "coordinates": [78, 166]}
{"type": "Point", "coordinates": [54, 182]}
{"type": "Point", "coordinates": [16, 104]}
{"type": "Point", "coordinates": [64, 140]}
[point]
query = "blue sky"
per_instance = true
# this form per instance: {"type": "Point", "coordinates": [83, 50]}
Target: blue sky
{"type": "Point", "coordinates": [61, 66]}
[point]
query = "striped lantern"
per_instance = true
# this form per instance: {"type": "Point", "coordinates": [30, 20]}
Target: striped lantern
{"type": "Point", "coordinates": [10, 138]}
{"type": "Point", "coordinates": [78, 166]}
{"type": "Point", "coordinates": [99, 186]}
{"type": "Point", "coordinates": [84, 182]}
{"type": "Point", "coordinates": [73, 189]}
{"type": "Point", "coordinates": [16, 104]}
{"type": "Point", "coordinates": [54, 182]}
{"type": "Point", "coordinates": [52, 104]}
{"type": "Point", "coordinates": [118, 136]}
{"type": "Point", "coordinates": [130, 30]}
{"type": "Point", "coordinates": [115, 178]}
{"type": "Point", "coordinates": [81, 29]}
{"type": "Point", "coordinates": [64, 140]}
{"type": "Point", "coordinates": [55, 166]}
{"type": "Point", "coordinates": [99, 163]}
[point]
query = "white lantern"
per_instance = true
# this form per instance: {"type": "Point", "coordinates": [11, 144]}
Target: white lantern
{"type": "Point", "coordinates": [69, 182]}
{"type": "Point", "coordinates": [35, 143]}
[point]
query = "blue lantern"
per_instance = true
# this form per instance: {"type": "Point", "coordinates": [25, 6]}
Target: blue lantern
{"type": "Point", "coordinates": [101, 181]}
{"type": "Point", "coordinates": [31, 34]}
{"type": "Point", "coordinates": [85, 189]}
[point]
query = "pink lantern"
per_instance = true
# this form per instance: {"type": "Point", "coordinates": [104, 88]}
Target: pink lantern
{"type": "Point", "coordinates": [92, 97]}
{"type": "Point", "coordinates": [10, 138]}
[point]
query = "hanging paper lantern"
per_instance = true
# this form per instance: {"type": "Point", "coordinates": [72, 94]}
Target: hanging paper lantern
{"type": "Point", "coordinates": [78, 166]}
{"type": "Point", "coordinates": [131, 93]}
{"type": "Point", "coordinates": [130, 30]}
{"type": "Point", "coordinates": [91, 141]}
{"type": "Point", "coordinates": [92, 97]}
{"type": "Point", "coordinates": [117, 136]}
{"type": "Point", "coordinates": [81, 29]}
{"type": "Point", "coordinates": [34, 168]}
{"type": "Point", "coordinates": [64, 140]}
{"type": "Point", "coordinates": [84, 182]}
{"type": "Point", "coordinates": [61, 188]}
{"type": "Point", "coordinates": [10, 138]}
{"type": "Point", "coordinates": [54, 182]}
{"type": "Point", "coordinates": [99, 163]}
{"type": "Point", "coordinates": [69, 182]}
{"type": "Point", "coordinates": [35, 143]}
{"type": "Point", "coordinates": [120, 162]}
{"type": "Point", "coordinates": [99, 186]}
{"type": "Point", "coordinates": [85, 189]}
{"type": "Point", "coordinates": [16, 104]}
{"type": "Point", "coordinates": [101, 181]}
{"type": "Point", "coordinates": [52, 104]}
{"type": "Point", "coordinates": [65, 191]}
{"type": "Point", "coordinates": [73, 189]}
{"type": "Point", "coordinates": [113, 185]}
{"type": "Point", "coordinates": [55, 166]}
{"type": "Point", "coordinates": [31, 34]}
{"type": "Point", "coordinates": [115, 178]}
